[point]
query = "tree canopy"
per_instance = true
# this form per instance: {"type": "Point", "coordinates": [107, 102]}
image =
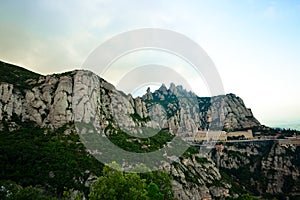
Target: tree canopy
{"type": "Point", "coordinates": [115, 184]}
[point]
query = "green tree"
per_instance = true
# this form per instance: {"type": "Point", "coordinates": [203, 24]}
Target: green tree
{"type": "Point", "coordinates": [154, 192]}
{"type": "Point", "coordinates": [163, 180]}
{"type": "Point", "coordinates": [9, 190]}
{"type": "Point", "coordinates": [52, 161]}
{"type": "Point", "coordinates": [71, 194]}
{"type": "Point", "coordinates": [247, 197]}
{"type": "Point", "coordinates": [116, 185]}
{"type": "Point", "coordinates": [28, 193]}
{"type": "Point", "coordinates": [135, 187]}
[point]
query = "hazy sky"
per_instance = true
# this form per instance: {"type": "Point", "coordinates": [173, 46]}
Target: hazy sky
{"type": "Point", "coordinates": [254, 44]}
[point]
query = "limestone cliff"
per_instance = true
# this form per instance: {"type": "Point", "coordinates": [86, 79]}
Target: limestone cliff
{"type": "Point", "coordinates": [48, 103]}
{"type": "Point", "coordinates": [48, 100]}
{"type": "Point", "coordinates": [227, 111]}
{"type": "Point", "coordinates": [265, 168]}
{"type": "Point", "coordinates": [196, 178]}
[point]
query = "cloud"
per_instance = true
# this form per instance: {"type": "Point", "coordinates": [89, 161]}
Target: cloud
{"type": "Point", "coordinates": [56, 37]}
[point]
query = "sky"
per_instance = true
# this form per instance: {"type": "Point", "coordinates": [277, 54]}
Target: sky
{"type": "Point", "coordinates": [254, 44]}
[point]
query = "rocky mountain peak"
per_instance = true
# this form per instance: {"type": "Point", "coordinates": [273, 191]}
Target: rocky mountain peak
{"type": "Point", "coordinates": [163, 89]}
{"type": "Point", "coordinates": [148, 95]}
{"type": "Point", "coordinates": [48, 100]}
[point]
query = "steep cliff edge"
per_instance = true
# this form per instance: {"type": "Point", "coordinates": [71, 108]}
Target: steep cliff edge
{"type": "Point", "coordinates": [228, 111]}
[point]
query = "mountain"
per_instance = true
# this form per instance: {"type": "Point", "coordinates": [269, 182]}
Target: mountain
{"type": "Point", "coordinates": [49, 100]}
{"type": "Point", "coordinates": [60, 109]}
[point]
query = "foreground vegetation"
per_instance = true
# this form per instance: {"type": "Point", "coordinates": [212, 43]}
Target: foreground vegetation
{"type": "Point", "coordinates": [46, 159]}
{"type": "Point", "coordinates": [39, 163]}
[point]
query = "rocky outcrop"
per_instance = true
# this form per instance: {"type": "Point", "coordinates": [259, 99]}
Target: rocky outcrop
{"type": "Point", "coordinates": [190, 113]}
{"type": "Point", "coordinates": [197, 178]}
{"type": "Point", "coordinates": [227, 111]}
{"type": "Point", "coordinates": [265, 169]}
{"type": "Point", "coordinates": [48, 104]}
{"type": "Point", "coordinates": [281, 169]}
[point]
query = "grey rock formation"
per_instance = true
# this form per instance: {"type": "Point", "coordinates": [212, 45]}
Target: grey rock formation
{"type": "Point", "coordinates": [281, 170]}
{"type": "Point", "coordinates": [195, 178]}
{"type": "Point", "coordinates": [48, 104]}
{"type": "Point", "coordinates": [266, 168]}
{"type": "Point", "coordinates": [227, 111]}
{"type": "Point", "coordinates": [81, 96]}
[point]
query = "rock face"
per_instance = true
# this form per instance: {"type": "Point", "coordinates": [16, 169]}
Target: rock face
{"type": "Point", "coordinates": [262, 168]}
{"type": "Point", "coordinates": [281, 169]}
{"type": "Point", "coordinates": [197, 178]}
{"type": "Point", "coordinates": [48, 104]}
{"type": "Point", "coordinates": [227, 111]}
{"type": "Point", "coordinates": [188, 113]}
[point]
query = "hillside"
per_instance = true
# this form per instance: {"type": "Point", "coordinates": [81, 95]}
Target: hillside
{"type": "Point", "coordinates": [51, 124]}
{"type": "Point", "coordinates": [20, 77]}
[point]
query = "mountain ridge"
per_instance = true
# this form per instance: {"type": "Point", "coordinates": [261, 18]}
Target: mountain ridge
{"type": "Point", "coordinates": [231, 108]}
